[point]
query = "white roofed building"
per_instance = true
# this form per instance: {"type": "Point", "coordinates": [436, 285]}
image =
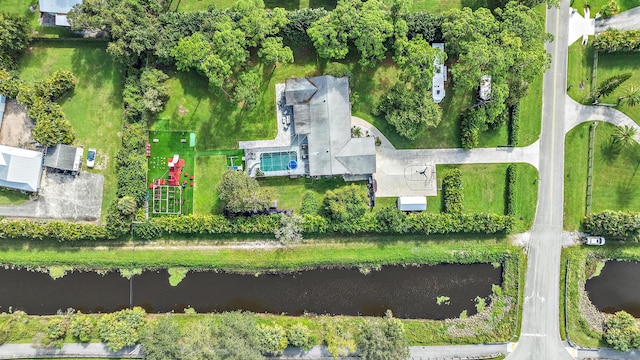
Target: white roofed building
{"type": "Point", "coordinates": [485, 88]}
{"type": "Point", "coordinates": [20, 169]}
{"type": "Point", "coordinates": [439, 75]}
{"type": "Point", "coordinates": [58, 9]}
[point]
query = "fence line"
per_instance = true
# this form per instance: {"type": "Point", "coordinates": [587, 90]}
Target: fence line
{"type": "Point", "coordinates": [592, 135]}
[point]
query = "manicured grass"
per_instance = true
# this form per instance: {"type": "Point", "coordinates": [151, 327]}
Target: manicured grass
{"type": "Point", "coordinates": [289, 192]}
{"type": "Point", "coordinates": [484, 191]}
{"type": "Point", "coordinates": [580, 69]}
{"type": "Point", "coordinates": [596, 5]}
{"type": "Point", "coordinates": [170, 143]}
{"type": "Point", "coordinates": [208, 171]}
{"type": "Point", "coordinates": [11, 197]}
{"type": "Point", "coordinates": [616, 174]}
{"type": "Point", "coordinates": [620, 63]}
{"type": "Point", "coordinates": [94, 108]}
{"type": "Point", "coordinates": [363, 251]}
{"type": "Point", "coordinates": [531, 113]}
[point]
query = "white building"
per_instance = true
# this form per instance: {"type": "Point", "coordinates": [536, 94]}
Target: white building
{"type": "Point", "coordinates": [439, 75]}
{"type": "Point", "coordinates": [412, 203]}
{"type": "Point", "coordinates": [485, 88]}
{"type": "Point", "coordinates": [20, 169]}
{"type": "Point", "coordinates": [58, 9]}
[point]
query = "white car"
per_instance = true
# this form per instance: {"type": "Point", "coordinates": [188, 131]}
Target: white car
{"type": "Point", "coordinates": [91, 158]}
{"type": "Point", "coordinates": [593, 240]}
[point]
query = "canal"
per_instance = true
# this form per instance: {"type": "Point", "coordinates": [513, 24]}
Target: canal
{"type": "Point", "coordinates": [410, 292]}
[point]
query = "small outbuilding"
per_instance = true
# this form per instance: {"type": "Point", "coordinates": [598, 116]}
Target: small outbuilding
{"type": "Point", "coordinates": [64, 158]}
{"type": "Point", "coordinates": [439, 75]}
{"type": "Point", "coordinates": [485, 88]}
{"type": "Point", "coordinates": [58, 10]}
{"type": "Point", "coordinates": [412, 203]}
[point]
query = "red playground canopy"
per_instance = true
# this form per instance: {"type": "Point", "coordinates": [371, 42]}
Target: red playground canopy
{"type": "Point", "coordinates": [174, 172]}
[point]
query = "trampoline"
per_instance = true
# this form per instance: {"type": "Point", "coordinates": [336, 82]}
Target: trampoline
{"type": "Point", "coordinates": [278, 161]}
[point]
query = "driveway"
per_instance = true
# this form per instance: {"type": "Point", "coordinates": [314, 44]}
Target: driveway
{"type": "Point", "coordinates": [63, 197]}
{"type": "Point", "coordinates": [626, 20]}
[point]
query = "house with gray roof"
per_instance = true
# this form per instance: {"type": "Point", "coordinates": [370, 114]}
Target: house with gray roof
{"type": "Point", "coordinates": [64, 158]}
{"type": "Point", "coordinates": [318, 140]}
{"type": "Point", "coordinates": [20, 169]}
{"type": "Point", "coordinates": [57, 9]}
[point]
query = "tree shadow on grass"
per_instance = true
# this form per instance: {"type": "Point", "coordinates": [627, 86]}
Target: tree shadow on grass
{"type": "Point", "coordinates": [610, 151]}
{"type": "Point", "coordinates": [327, 4]}
{"type": "Point", "coordinates": [626, 194]}
{"type": "Point", "coordinates": [285, 4]}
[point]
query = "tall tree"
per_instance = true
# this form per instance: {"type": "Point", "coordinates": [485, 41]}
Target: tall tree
{"type": "Point", "coordinates": [242, 193]}
{"type": "Point", "coordinates": [160, 340]}
{"type": "Point", "coordinates": [256, 22]}
{"type": "Point", "coordinates": [273, 52]}
{"type": "Point", "coordinates": [247, 89]}
{"type": "Point", "coordinates": [366, 25]}
{"type": "Point", "coordinates": [625, 135]}
{"type": "Point", "coordinates": [410, 111]}
{"type": "Point", "coordinates": [415, 58]}
{"type": "Point", "coordinates": [15, 35]}
{"type": "Point", "coordinates": [384, 340]}
{"type": "Point", "coordinates": [631, 96]}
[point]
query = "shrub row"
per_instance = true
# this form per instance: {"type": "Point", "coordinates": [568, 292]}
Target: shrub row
{"type": "Point", "coordinates": [614, 40]}
{"type": "Point", "coordinates": [510, 197]}
{"type": "Point", "coordinates": [514, 124]}
{"type": "Point", "coordinates": [388, 220]}
{"type": "Point", "coordinates": [452, 197]}
{"type": "Point", "coordinates": [53, 230]}
{"type": "Point", "coordinates": [468, 133]}
{"type": "Point", "coordinates": [615, 224]}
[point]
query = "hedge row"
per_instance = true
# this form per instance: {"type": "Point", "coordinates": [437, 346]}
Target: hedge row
{"type": "Point", "coordinates": [54, 230]}
{"type": "Point", "coordinates": [614, 40]}
{"type": "Point", "coordinates": [514, 124]}
{"type": "Point", "coordinates": [614, 224]}
{"type": "Point", "coordinates": [388, 220]}
{"type": "Point", "coordinates": [510, 198]}
{"type": "Point", "coordinates": [452, 197]}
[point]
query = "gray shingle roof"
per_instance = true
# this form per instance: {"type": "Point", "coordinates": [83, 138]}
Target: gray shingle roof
{"type": "Point", "coordinates": [324, 101]}
{"type": "Point", "coordinates": [64, 157]}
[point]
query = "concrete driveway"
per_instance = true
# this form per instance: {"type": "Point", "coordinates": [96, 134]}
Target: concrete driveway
{"type": "Point", "coordinates": [63, 197]}
{"type": "Point", "coordinates": [626, 20]}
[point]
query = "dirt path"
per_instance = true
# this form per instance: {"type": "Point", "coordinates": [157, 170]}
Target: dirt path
{"type": "Point", "coordinates": [16, 127]}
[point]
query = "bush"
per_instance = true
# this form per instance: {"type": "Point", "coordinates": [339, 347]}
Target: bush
{"type": "Point", "coordinates": [510, 189]}
{"type": "Point", "coordinates": [426, 24]}
{"type": "Point", "coordinates": [56, 85]}
{"type": "Point", "coordinates": [300, 336]}
{"type": "Point", "coordinates": [81, 327]}
{"type": "Point", "coordinates": [55, 332]}
{"type": "Point", "coordinates": [614, 224]}
{"type": "Point", "coordinates": [51, 230]}
{"type": "Point", "coordinates": [345, 204]}
{"type": "Point", "coordinates": [273, 339]}
{"type": "Point", "coordinates": [337, 69]}
{"type": "Point", "coordinates": [310, 204]}
{"type": "Point", "coordinates": [294, 33]}
{"type": "Point", "coordinates": [120, 329]}
{"type": "Point", "coordinates": [9, 84]}
{"type": "Point", "coordinates": [610, 8]}
{"type": "Point", "coordinates": [514, 124]}
{"type": "Point", "coordinates": [452, 197]}
{"type": "Point", "coordinates": [614, 40]}
{"type": "Point", "coordinates": [622, 332]}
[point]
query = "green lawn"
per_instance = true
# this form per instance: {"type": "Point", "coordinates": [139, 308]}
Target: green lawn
{"type": "Point", "coordinates": [11, 197]}
{"type": "Point", "coordinates": [616, 174]}
{"type": "Point", "coordinates": [580, 68]}
{"type": "Point", "coordinates": [208, 171]}
{"type": "Point", "coordinates": [94, 108]}
{"type": "Point", "coordinates": [484, 191]}
{"type": "Point", "coordinates": [531, 113]}
{"type": "Point", "coordinates": [289, 192]}
{"type": "Point", "coordinates": [596, 5]}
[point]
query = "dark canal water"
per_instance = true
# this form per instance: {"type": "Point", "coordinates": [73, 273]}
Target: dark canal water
{"type": "Point", "coordinates": [409, 292]}
{"type": "Point", "coordinates": [616, 288]}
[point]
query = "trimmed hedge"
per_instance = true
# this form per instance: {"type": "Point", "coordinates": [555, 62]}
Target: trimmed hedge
{"type": "Point", "coordinates": [510, 189]}
{"type": "Point", "coordinates": [514, 124]}
{"type": "Point", "coordinates": [614, 40]}
{"type": "Point", "coordinates": [54, 230]}
{"type": "Point", "coordinates": [614, 224]}
{"type": "Point", "coordinates": [452, 197]}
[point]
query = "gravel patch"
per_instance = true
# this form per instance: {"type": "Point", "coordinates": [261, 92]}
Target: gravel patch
{"type": "Point", "coordinates": [16, 127]}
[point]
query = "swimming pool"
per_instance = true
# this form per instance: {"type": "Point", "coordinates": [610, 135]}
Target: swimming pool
{"type": "Point", "coordinates": [277, 161]}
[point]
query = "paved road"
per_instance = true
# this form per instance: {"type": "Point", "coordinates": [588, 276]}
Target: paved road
{"type": "Point", "coordinates": [626, 20]}
{"type": "Point", "coordinates": [540, 337]}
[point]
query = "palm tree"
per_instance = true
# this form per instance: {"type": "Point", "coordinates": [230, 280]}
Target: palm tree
{"type": "Point", "coordinates": [624, 135]}
{"type": "Point", "coordinates": [631, 96]}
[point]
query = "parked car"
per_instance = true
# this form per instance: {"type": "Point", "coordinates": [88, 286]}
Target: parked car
{"type": "Point", "coordinates": [91, 158]}
{"type": "Point", "coordinates": [593, 240]}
